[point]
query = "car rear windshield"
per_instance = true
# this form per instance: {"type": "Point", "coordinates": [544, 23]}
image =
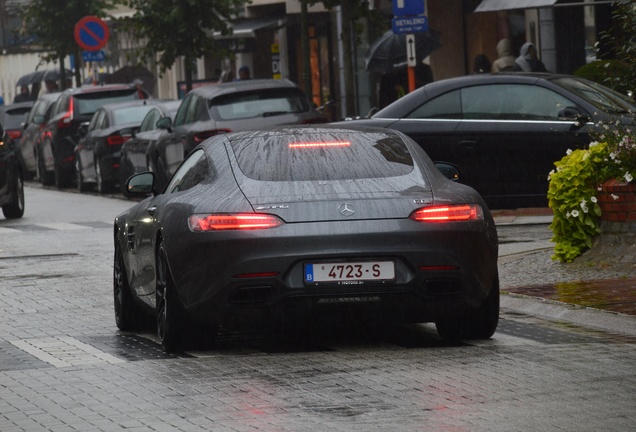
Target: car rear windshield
{"type": "Point", "coordinates": [131, 114]}
{"type": "Point", "coordinates": [322, 156]}
{"type": "Point", "coordinates": [259, 103]}
{"type": "Point", "coordinates": [14, 118]}
{"type": "Point", "coordinates": [88, 103]}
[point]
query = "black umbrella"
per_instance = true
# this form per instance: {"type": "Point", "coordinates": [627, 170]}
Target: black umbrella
{"type": "Point", "coordinates": [30, 78]}
{"type": "Point", "coordinates": [54, 75]}
{"type": "Point", "coordinates": [130, 74]}
{"type": "Point", "coordinates": [388, 53]}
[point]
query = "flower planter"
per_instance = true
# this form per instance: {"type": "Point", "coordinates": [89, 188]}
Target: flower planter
{"type": "Point", "coordinates": [618, 201]}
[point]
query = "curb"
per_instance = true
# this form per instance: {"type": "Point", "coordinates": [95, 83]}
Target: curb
{"type": "Point", "coordinates": [584, 316]}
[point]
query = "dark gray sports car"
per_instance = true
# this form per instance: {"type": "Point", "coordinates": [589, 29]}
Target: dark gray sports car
{"type": "Point", "coordinates": [302, 223]}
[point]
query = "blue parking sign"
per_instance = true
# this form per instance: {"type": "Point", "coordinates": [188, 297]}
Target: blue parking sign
{"type": "Point", "coordinates": [408, 7]}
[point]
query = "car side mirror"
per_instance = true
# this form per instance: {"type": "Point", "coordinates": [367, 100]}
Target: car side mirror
{"type": "Point", "coordinates": [165, 123]}
{"type": "Point", "coordinates": [140, 185]}
{"type": "Point", "coordinates": [83, 129]}
{"type": "Point", "coordinates": [449, 171]}
{"type": "Point", "coordinates": [572, 114]}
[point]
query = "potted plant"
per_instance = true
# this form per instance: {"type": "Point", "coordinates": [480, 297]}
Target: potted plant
{"type": "Point", "coordinates": [592, 184]}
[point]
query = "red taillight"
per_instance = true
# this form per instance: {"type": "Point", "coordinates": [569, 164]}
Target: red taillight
{"type": "Point", "coordinates": [223, 221]}
{"type": "Point", "coordinates": [14, 134]}
{"type": "Point", "coordinates": [67, 120]}
{"type": "Point", "coordinates": [202, 136]}
{"type": "Point", "coordinates": [117, 139]}
{"type": "Point", "coordinates": [453, 213]}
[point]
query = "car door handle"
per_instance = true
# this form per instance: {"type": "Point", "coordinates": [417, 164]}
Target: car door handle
{"type": "Point", "coordinates": [151, 210]}
{"type": "Point", "coordinates": [470, 145]}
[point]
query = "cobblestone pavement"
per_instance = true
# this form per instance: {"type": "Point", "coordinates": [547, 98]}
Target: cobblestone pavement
{"type": "Point", "coordinates": [65, 367]}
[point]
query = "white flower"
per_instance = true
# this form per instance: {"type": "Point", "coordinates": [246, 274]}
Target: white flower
{"type": "Point", "coordinates": [593, 199]}
{"type": "Point", "coordinates": [584, 206]}
{"type": "Point", "coordinates": [567, 215]}
{"type": "Point", "coordinates": [568, 152]}
{"type": "Point", "coordinates": [575, 213]}
{"type": "Point", "coordinates": [612, 156]}
{"type": "Point", "coordinates": [615, 197]}
{"type": "Point", "coordinates": [628, 177]}
{"type": "Point", "coordinates": [550, 175]}
{"type": "Point", "coordinates": [593, 143]}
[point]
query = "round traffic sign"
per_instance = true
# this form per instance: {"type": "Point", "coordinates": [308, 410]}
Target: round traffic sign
{"type": "Point", "coordinates": [91, 33]}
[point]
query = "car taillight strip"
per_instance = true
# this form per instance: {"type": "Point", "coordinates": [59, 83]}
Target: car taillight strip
{"type": "Point", "coordinates": [220, 222]}
{"type": "Point", "coordinates": [452, 213]}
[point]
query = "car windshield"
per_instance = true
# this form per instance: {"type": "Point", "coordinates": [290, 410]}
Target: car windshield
{"type": "Point", "coordinates": [322, 156]}
{"type": "Point", "coordinates": [14, 118]}
{"type": "Point", "coordinates": [259, 103]}
{"type": "Point", "coordinates": [88, 103]}
{"type": "Point", "coordinates": [600, 96]}
{"type": "Point", "coordinates": [128, 115]}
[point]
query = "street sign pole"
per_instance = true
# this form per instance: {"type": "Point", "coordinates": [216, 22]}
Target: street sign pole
{"type": "Point", "coordinates": [411, 60]}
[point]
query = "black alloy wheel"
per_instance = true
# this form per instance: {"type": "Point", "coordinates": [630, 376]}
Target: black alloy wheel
{"type": "Point", "coordinates": [480, 323]}
{"type": "Point", "coordinates": [15, 209]}
{"type": "Point", "coordinates": [170, 316]}
{"type": "Point", "coordinates": [127, 313]}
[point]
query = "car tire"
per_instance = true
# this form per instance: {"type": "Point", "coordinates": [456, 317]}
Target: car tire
{"type": "Point", "coordinates": [103, 186]}
{"type": "Point", "coordinates": [170, 314]}
{"type": "Point", "coordinates": [45, 177]}
{"type": "Point", "coordinates": [480, 323]}
{"type": "Point", "coordinates": [60, 175]}
{"type": "Point", "coordinates": [15, 209]}
{"type": "Point", "coordinates": [127, 314]}
{"type": "Point", "coordinates": [82, 186]}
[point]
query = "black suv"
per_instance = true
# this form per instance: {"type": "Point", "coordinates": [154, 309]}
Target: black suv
{"type": "Point", "coordinates": [11, 184]}
{"type": "Point", "coordinates": [56, 151]}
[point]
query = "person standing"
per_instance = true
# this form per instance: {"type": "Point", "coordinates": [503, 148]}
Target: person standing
{"type": "Point", "coordinates": [244, 73]}
{"type": "Point", "coordinates": [505, 57]}
{"type": "Point", "coordinates": [23, 96]}
{"type": "Point", "coordinates": [528, 61]}
{"type": "Point", "coordinates": [481, 64]}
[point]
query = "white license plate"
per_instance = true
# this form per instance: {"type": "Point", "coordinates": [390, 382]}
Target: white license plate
{"type": "Point", "coordinates": [350, 271]}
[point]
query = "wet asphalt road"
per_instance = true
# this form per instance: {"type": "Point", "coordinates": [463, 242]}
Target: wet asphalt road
{"type": "Point", "coordinates": [64, 366]}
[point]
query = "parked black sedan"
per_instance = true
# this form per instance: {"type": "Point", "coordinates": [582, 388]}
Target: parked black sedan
{"type": "Point", "coordinates": [134, 152]}
{"type": "Point", "coordinates": [301, 223]}
{"type": "Point", "coordinates": [504, 131]}
{"type": "Point", "coordinates": [98, 152]}
{"type": "Point", "coordinates": [11, 179]}
{"type": "Point", "coordinates": [227, 107]}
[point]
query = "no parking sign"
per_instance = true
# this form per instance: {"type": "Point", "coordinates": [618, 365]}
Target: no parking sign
{"type": "Point", "coordinates": [91, 33]}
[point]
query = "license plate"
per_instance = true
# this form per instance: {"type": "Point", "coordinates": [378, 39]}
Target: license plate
{"type": "Point", "coordinates": [350, 271]}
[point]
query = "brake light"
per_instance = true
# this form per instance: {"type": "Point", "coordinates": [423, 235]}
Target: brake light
{"type": "Point", "coordinates": [202, 136]}
{"type": "Point", "coordinates": [224, 221]}
{"type": "Point", "coordinates": [452, 213]}
{"type": "Point", "coordinates": [319, 144]}
{"type": "Point", "coordinates": [117, 139]}
{"type": "Point", "coordinates": [14, 134]}
{"type": "Point", "coordinates": [67, 120]}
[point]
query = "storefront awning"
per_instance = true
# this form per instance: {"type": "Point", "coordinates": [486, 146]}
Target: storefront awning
{"type": "Point", "coordinates": [500, 5]}
{"type": "Point", "coordinates": [246, 28]}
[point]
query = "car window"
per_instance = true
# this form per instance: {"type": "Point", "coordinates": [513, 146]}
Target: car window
{"type": "Point", "coordinates": [96, 121]}
{"type": "Point", "coordinates": [446, 106]}
{"type": "Point", "coordinates": [63, 104]}
{"type": "Point", "coordinates": [260, 103]}
{"type": "Point", "coordinates": [192, 115]}
{"type": "Point", "coordinates": [132, 114]}
{"type": "Point", "coordinates": [599, 96]}
{"type": "Point", "coordinates": [88, 103]}
{"type": "Point", "coordinates": [182, 111]}
{"type": "Point", "coordinates": [191, 172]}
{"type": "Point", "coordinates": [512, 102]}
{"type": "Point", "coordinates": [13, 118]}
{"type": "Point", "coordinates": [150, 121]}
{"type": "Point", "coordinates": [323, 156]}
{"type": "Point", "coordinates": [39, 109]}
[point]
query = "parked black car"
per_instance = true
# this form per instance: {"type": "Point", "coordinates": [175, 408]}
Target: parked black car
{"type": "Point", "coordinates": [227, 107]}
{"type": "Point", "coordinates": [13, 117]}
{"type": "Point", "coordinates": [134, 152]}
{"type": "Point", "coordinates": [303, 224]}
{"type": "Point", "coordinates": [56, 151]}
{"type": "Point", "coordinates": [11, 180]}
{"type": "Point", "coordinates": [98, 153]}
{"type": "Point", "coordinates": [32, 134]}
{"type": "Point", "coordinates": [504, 131]}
